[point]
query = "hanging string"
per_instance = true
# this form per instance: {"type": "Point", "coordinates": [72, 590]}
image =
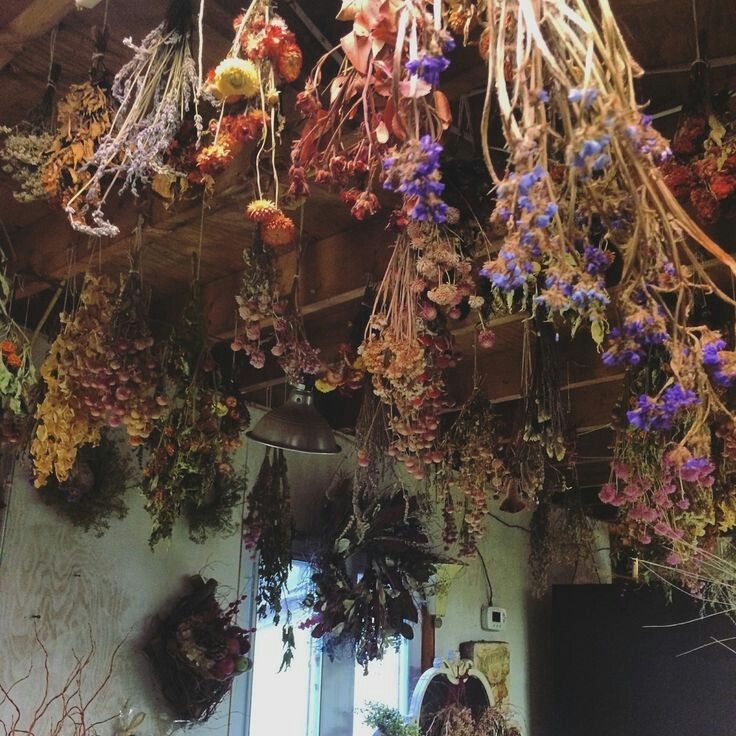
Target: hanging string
{"type": "Point", "coordinates": [201, 239]}
{"type": "Point", "coordinates": [200, 45]}
{"type": "Point", "coordinates": [104, 17]}
{"type": "Point", "coordinates": [50, 81]}
{"type": "Point", "coordinates": [697, 32]}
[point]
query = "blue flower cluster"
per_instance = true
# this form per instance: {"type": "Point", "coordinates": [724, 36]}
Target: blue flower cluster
{"type": "Point", "coordinates": [428, 66]}
{"type": "Point", "coordinates": [713, 361]}
{"type": "Point", "coordinates": [507, 272]}
{"type": "Point", "coordinates": [631, 341]}
{"type": "Point", "coordinates": [648, 141]}
{"type": "Point", "coordinates": [415, 172]}
{"type": "Point", "coordinates": [659, 414]}
{"type": "Point", "coordinates": [593, 156]}
{"type": "Point", "coordinates": [596, 260]}
{"type": "Point", "coordinates": [515, 260]}
{"type": "Point", "coordinates": [584, 96]}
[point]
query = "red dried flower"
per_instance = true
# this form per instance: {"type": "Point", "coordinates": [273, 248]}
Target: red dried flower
{"type": "Point", "coordinates": [262, 210]}
{"type": "Point", "coordinates": [216, 157]}
{"type": "Point", "coordinates": [723, 185]}
{"type": "Point", "coordinates": [690, 135]}
{"type": "Point", "coordinates": [289, 62]}
{"type": "Point", "coordinates": [679, 178]}
{"type": "Point", "coordinates": [298, 187]}
{"type": "Point", "coordinates": [278, 232]}
{"type": "Point", "coordinates": [705, 204]}
{"type": "Point", "coordinates": [365, 205]}
{"type": "Point", "coordinates": [307, 102]}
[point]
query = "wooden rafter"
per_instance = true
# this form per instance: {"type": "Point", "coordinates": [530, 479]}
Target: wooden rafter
{"type": "Point", "coordinates": [36, 19]}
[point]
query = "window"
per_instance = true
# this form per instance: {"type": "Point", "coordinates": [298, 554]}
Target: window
{"type": "Point", "coordinates": [387, 682]}
{"type": "Point", "coordinates": [286, 703]}
{"type": "Point", "coordinates": [317, 696]}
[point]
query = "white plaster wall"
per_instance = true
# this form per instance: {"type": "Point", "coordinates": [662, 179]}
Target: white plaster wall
{"type": "Point", "coordinates": [505, 552]}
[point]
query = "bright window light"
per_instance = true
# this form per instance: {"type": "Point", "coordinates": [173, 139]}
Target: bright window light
{"type": "Point", "coordinates": [286, 703]}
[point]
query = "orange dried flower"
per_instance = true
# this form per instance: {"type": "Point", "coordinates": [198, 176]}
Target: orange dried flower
{"type": "Point", "coordinates": [262, 210]}
{"type": "Point", "coordinates": [289, 62]}
{"type": "Point", "coordinates": [7, 347]}
{"type": "Point", "coordinates": [13, 360]}
{"type": "Point", "coordinates": [278, 232]}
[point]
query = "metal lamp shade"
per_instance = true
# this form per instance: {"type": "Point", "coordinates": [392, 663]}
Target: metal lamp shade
{"type": "Point", "coordinates": [297, 426]}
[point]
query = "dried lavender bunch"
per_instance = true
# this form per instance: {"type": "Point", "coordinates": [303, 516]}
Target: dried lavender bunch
{"type": "Point", "coordinates": [155, 90]}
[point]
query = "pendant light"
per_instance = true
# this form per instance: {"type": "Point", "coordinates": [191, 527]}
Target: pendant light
{"type": "Point", "coordinates": [297, 426]}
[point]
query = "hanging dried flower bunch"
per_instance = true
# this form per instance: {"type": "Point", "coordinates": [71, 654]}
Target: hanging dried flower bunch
{"type": "Point", "coordinates": [672, 476]}
{"type": "Point", "coordinates": [189, 469]}
{"type": "Point", "coordinates": [154, 91]}
{"type": "Point", "coordinates": [383, 100]}
{"type": "Point", "coordinates": [83, 117]}
{"type": "Point", "coordinates": [101, 371]}
{"type": "Point", "coordinates": [369, 581]}
{"type": "Point", "coordinates": [267, 533]}
{"type": "Point", "coordinates": [25, 147]}
{"type": "Point", "coordinates": [17, 373]}
{"type": "Point", "coordinates": [543, 414]}
{"type": "Point", "coordinates": [702, 171]}
{"type": "Point", "coordinates": [407, 345]}
{"type": "Point", "coordinates": [264, 55]}
{"type": "Point", "coordinates": [259, 303]}
{"type": "Point", "coordinates": [474, 468]}
{"type": "Point", "coordinates": [582, 178]}
{"type": "Point", "coordinates": [64, 422]}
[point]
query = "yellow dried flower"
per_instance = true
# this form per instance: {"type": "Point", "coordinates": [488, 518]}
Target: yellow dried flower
{"type": "Point", "coordinates": [236, 78]}
{"type": "Point", "coordinates": [262, 210]}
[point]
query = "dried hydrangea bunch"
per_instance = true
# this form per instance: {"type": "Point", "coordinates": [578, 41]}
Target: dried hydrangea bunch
{"type": "Point", "coordinates": [385, 113]}
{"type": "Point", "coordinates": [154, 90]}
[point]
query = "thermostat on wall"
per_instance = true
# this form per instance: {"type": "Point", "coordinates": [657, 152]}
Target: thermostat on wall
{"type": "Point", "coordinates": [492, 618]}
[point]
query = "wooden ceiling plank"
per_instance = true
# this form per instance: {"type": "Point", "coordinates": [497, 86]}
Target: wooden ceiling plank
{"type": "Point", "coordinates": [49, 248]}
{"type": "Point", "coordinates": [36, 19]}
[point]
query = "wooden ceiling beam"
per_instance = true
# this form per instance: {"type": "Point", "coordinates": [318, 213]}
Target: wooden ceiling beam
{"type": "Point", "coordinates": [335, 271]}
{"type": "Point", "coordinates": [50, 251]}
{"type": "Point", "coordinates": [37, 18]}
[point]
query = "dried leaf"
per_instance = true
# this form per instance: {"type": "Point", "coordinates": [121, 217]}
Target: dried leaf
{"type": "Point", "coordinates": [443, 109]}
{"type": "Point", "coordinates": [349, 10]}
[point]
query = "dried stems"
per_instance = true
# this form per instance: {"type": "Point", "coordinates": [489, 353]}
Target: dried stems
{"type": "Point", "coordinates": [66, 712]}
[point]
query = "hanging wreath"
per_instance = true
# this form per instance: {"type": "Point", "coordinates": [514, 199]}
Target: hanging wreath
{"type": "Point", "coordinates": [197, 650]}
{"type": "Point", "coordinates": [95, 489]}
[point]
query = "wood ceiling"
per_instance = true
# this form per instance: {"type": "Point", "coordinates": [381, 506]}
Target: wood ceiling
{"type": "Point", "coordinates": [342, 254]}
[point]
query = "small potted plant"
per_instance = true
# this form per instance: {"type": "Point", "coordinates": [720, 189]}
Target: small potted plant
{"type": "Point", "coordinates": [388, 721]}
